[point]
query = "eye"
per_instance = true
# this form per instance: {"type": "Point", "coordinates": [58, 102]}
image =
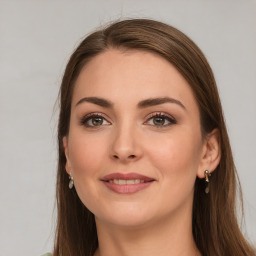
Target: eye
{"type": "Point", "coordinates": [160, 120]}
{"type": "Point", "coordinates": [94, 120]}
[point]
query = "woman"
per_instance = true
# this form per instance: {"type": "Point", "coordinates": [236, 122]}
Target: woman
{"type": "Point", "coordinates": [145, 164]}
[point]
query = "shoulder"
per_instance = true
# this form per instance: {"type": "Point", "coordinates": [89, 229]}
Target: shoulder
{"type": "Point", "coordinates": [47, 254]}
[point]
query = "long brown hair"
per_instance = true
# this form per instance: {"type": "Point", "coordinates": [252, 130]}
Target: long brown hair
{"type": "Point", "coordinates": [215, 228]}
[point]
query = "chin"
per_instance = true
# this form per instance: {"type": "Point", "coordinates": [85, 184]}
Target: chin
{"type": "Point", "coordinates": [129, 222]}
{"type": "Point", "coordinates": [126, 217]}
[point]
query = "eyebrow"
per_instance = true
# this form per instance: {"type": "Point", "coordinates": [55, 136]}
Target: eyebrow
{"type": "Point", "coordinates": [157, 101]}
{"type": "Point", "coordinates": [142, 104]}
{"type": "Point", "coordinates": [98, 101]}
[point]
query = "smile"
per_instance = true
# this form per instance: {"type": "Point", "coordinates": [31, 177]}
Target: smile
{"type": "Point", "coordinates": [126, 183]}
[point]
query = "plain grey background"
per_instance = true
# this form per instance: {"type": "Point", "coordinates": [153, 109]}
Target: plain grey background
{"type": "Point", "coordinates": [36, 40]}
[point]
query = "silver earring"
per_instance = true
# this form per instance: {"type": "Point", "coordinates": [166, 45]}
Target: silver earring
{"type": "Point", "coordinates": [71, 182]}
{"type": "Point", "coordinates": [207, 180]}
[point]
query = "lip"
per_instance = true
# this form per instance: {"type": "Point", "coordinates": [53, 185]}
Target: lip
{"type": "Point", "coordinates": [127, 188]}
{"type": "Point", "coordinates": [126, 176]}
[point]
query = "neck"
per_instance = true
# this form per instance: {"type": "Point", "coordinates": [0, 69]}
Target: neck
{"type": "Point", "coordinates": [169, 236]}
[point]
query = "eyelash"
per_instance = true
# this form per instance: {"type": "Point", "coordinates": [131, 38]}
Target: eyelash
{"type": "Point", "coordinates": [167, 117]}
{"type": "Point", "coordinates": [85, 119]}
{"type": "Point", "coordinates": [170, 119]}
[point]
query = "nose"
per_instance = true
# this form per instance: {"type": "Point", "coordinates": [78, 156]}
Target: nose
{"type": "Point", "coordinates": [126, 146]}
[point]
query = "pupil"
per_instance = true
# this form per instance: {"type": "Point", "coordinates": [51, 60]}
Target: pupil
{"type": "Point", "coordinates": [97, 121]}
{"type": "Point", "coordinates": [159, 121]}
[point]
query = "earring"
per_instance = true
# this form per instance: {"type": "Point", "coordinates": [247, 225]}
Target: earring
{"type": "Point", "coordinates": [71, 182]}
{"type": "Point", "coordinates": [207, 180]}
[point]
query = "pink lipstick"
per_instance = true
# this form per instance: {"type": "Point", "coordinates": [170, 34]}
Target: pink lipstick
{"type": "Point", "coordinates": [126, 183]}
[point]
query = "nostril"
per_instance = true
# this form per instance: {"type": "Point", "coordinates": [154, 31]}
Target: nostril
{"type": "Point", "coordinates": [129, 157]}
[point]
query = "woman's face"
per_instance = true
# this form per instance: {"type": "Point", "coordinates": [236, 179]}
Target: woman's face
{"type": "Point", "coordinates": [134, 146]}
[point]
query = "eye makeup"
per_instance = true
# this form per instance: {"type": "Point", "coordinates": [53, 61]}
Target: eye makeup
{"type": "Point", "coordinates": [156, 119]}
{"type": "Point", "coordinates": [160, 120]}
{"type": "Point", "coordinates": [94, 120]}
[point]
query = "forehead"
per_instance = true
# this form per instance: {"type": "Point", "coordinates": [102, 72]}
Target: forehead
{"type": "Point", "coordinates": [131, 76]}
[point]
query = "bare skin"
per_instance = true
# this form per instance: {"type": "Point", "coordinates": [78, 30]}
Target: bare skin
{"type": "Point", "coordinates": [133, 112]}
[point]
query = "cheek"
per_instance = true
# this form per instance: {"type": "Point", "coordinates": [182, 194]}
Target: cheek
{"type": "Point", "coordinates": [177, 157]}
{"type": "Point", "coordinates": [176, 160]}
{"type": "Point", "coordinates": [85, 153]}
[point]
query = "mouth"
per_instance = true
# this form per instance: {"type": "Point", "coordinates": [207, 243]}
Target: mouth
{"type": "Point", "coordinates": [126, 183]}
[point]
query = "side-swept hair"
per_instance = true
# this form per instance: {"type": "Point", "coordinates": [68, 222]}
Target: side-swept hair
{"type": "Point", "coordinates": [215, 228]}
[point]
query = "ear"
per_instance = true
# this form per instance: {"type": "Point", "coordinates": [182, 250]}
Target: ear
{"type": "Point", "coordinates": [65, 146]}
{"type": "Point", "coordinates": [211, 153]}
